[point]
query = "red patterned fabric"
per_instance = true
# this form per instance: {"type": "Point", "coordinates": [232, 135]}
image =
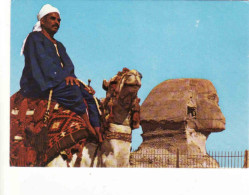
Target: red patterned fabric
{"type": "Point", "coordinates": [65, 130]}
{"type": "Point", "coordinates": [33, 143]}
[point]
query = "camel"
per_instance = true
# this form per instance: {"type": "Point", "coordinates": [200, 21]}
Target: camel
{"type": "Point", "coordinates": [120, 114]}
{"type": "Point", "coordinates": [64, 139]}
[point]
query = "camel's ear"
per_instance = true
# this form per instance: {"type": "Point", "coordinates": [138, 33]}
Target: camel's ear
{"type": "Point", "coordinates": [140, 74]}
{"type": "Point", "coordinates": [105, 85]}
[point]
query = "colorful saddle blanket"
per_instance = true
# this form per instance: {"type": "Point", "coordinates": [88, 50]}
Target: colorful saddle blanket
{"type": "Point", "coordinates": [35, 143]}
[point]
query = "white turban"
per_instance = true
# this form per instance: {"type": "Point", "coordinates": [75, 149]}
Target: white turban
{"type": "Point", "coordinates": [46, 9]}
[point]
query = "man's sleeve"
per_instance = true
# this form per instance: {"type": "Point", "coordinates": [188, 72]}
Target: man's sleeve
{"type": "Point", "coordinates": [69, 67]}
{"type": "Point", "coordinates": [44, 69]}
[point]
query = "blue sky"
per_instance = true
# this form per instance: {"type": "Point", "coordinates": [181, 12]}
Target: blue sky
{"type": "Point", "coordinates": [161, 39]}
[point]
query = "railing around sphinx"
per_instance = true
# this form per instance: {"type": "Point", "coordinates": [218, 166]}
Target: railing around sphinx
{"type": "Point", "coordinates": [156, 158]}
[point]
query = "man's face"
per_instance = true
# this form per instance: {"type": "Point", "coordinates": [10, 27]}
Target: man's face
{"type": "Point", "coordinates": [51, 22]}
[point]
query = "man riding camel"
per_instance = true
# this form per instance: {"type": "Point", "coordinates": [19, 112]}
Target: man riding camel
{"type": "Point", "coordinates": [48, 66]}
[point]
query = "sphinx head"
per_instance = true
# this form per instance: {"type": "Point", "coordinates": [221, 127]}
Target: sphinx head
{"type": "Point", "coordinates": [192, 101]}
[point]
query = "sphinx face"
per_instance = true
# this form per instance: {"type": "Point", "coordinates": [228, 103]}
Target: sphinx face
{"type": "Point", "coordinates": [185, 100]}
{"type": "Point", "coordinates": [208, 113]}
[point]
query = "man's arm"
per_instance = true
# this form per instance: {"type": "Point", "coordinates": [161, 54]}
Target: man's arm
{"type": "Point", "coordinates": [68, 65]}
{"type": "Point", "coordinates": [67, 62]}
{"type": "Point", "coordinates": [44, 69]}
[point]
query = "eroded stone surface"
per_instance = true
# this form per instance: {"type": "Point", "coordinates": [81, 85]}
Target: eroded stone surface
{"type": "Point", "coordinates": [181, 114]}
{"type": "Point", "coordinates": [175, 100]}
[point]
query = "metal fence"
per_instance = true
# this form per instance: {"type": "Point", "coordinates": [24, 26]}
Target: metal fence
{"type": "Point", "coordinates": [235, 159]}
{"type": "Point", "coordinates": [156, 158]}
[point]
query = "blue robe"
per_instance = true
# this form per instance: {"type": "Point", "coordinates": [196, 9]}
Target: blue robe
{"type": "Point", "coordinates": [43, 72]}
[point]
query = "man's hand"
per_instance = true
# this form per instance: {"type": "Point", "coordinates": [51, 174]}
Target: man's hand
{"type": "Point", "coordinates": [72, 80]}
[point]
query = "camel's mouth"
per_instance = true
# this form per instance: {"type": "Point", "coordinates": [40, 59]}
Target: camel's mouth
{"type": "Point", "coordinates": [133, 78]}
{"type": "Point", "coordinates": [133, 85]}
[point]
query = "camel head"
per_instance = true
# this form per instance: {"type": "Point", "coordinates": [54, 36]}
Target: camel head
{"type": "Point", "coordinates": [121, 96]}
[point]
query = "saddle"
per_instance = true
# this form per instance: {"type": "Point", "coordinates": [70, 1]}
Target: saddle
{"type": "Point", "coordinates": [35, 143]}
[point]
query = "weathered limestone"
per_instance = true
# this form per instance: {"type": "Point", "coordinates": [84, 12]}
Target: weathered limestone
{"type": "Point", "coordinates": [181, 114]}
